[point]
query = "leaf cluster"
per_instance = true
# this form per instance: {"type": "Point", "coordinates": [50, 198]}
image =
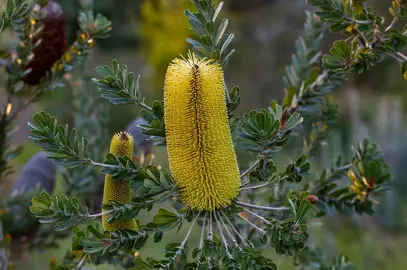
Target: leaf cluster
{"type": "Point", "coordinates": [14, 12]}
{"type": "Point", "coordinates": [213, 42]}
{"type": "Point", "coordinates": [289, 236]}
{"type": "Point", "coordinates": [59, 210]}
{"type": "Point", "coordinates": [367, 166]}
{"type": "Point", "coordinates": [266, 131]}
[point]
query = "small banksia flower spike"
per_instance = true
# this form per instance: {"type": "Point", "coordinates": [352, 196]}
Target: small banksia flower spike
{"type": "Point", "coordinates": [115, 189]}
{"type": "Point", "coordinates": [199, 142]}
{"type": "Point", "coordinates": [52, 46]}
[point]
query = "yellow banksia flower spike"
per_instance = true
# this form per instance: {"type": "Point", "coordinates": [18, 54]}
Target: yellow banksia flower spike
{"type": "Point", "coordinates": [122, 144]}
{"type": "Point", "coordinates": [199, 142]}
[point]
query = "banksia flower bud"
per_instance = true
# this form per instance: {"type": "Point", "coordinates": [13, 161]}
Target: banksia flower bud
{"type": "Point", "coordinates": [52, 46]}
{"type": "Point", "coordinates": [199, 142]}
{"type": "Point", "coordinates": [312, 199]}
{"type": "Point", "coordinates": [115, 189]}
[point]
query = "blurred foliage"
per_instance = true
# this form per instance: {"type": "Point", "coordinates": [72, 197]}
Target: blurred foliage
{"type": "Point", "coordinates": [160, 22]}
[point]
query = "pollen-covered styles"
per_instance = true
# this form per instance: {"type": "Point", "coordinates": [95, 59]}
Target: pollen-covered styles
{"type": "Point", "coordinates": [122, 144]}
{"type": "Point", "coordinates": [199, 142]}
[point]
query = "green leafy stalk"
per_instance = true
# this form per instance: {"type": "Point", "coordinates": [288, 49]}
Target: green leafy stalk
{"type": "Point", "coordinates": [213, 42]}
{"type": "Point", "coordinates": [72, 151]}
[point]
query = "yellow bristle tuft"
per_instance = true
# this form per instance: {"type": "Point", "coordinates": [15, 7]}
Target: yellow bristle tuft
{"type": "Point", "coordinates": [199, 142]}
{"type": "Point", "coordinates": [122, 144]}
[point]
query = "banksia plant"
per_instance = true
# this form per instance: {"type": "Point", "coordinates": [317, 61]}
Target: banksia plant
{"type": "Point", "coordinates": [239, 209]}
{"type": "Point", "coordinates": [118, 190]}
{"type": "Point", "coordinates": [199, 142]}
{"type": "Point", "coordinates": [40, 27]}
{"type": "Point", "coordinates": [52, 43]}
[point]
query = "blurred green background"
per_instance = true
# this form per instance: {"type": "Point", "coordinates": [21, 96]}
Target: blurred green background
{"type": "Point", "coordinates": [148, 34]}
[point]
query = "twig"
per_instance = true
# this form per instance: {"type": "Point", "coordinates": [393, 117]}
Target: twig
{"type": "Point", "coordinates": [183, 243]}
{"type": "Point", "coordinates": [362, 22]}
{"type": "Point", "coordinates": [210, 237]}
{"type": "Point", "coordinates": [101, 214]}
{"type": "Point", "coordinates": [234, 229]}
{"type": "Point", "coordinates": [254, 187]}
{"type": "Point", "coordinates": [225, 243]}
{"type": "Point", "coordinates": [145, 106]}
{"type": "Point", "coordinates": [210, 232]}
{"type": "Point", "coordinates": [252, 224]}
{"type": "Point", "coordinates": [166, 197]}
{"type": "Point", "coordinates": [402, 56]}
{"type": "Point", "coordinates": [94, 163]}
{"type": "Point", "coordinates": [391, 24]}
{"type": "Point", "coordinates": [251, 168]}
{"type": "Point", "coordinates": [364, 39]}
{"type": "Point", "coordinates": [258, 216]}
{"type": "Point", "coordinates": [229, 233]}
{"type": "Point", "coordinates": [260, 207]}
{"type": "Point", "coordinates": [202, 235]}
{"type": "Point", "coordinates": [395, 57]}
{"type": "Point", "coordinates": [134, 205]}
{"type": "Point", "coordinates": [261, 185]}
{"type": "Point", "coordinates": [81, 262]}
{"type": "Point", "coordinates": [228, 100]}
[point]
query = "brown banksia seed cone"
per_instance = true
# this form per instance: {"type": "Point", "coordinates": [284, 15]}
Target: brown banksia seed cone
{"type": "Point", "coordinates": [312, 199]}
{"type": "Point", "coordinates": [52, 46]}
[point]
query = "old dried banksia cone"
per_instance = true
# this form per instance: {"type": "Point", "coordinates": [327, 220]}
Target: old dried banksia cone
{"type": "Point", "coordinates": [52, 46]}
{"type": "Point", "coordinates": [115, 189]}
{"type": "Point", "coordinates": [201, 155]}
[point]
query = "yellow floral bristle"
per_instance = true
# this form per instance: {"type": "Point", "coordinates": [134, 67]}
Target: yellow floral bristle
{"type": "Point", "coordinates": [122, 144]}
{"type": "Point", "coordinates": [199, 142]}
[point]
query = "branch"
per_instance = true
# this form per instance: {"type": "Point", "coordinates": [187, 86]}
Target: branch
{"type": "Point", "coordinates": [119, 86]}
{"type": "Point", "coordinates": [251, 168]}
{"type": "Point", "coordinates": [225, 243]}
{"type": "Point", "coordinates": [93, 216]}
{"type": "Point", "coordinates": [234, 229]}
{"type": "Point", "coordinates": [109, 166]}
{"type": "Point", "coordinates": [216, 41]}
{"type": "Point", "coordinates": [65, 213]}
{"type": "Point", "coordinates": [81, 262]}
{"type": "Point", "coordinates": [210, 232]}
{"type": "Point", "coordinates": [263, 232]}
{"type": "Point", "coordinates": [402, 56]}
{"type": "Point", "coordinates": [261, 185]}
{"type": "Point", "coordinates": [201, 241]}
{"type": "Point", "coordinates": [395, 19]}
{"type": "Point", "coordinates": [258, 216]}
{"type": "Point", "coordinates": [265, 208]}
{"type": "Point", "coordinates": [210, 238]}
{"type": "Point", "coordinates": [228, 232]}
{"type": "Point", "coordinates": [182, 246]}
